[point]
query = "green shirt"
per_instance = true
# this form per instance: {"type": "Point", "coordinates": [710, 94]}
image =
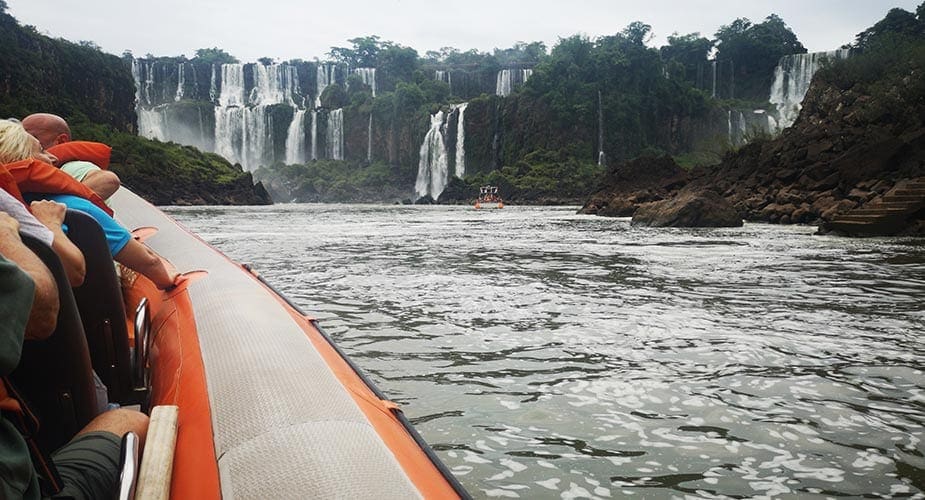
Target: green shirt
{"type": "Point", "coordinates": [79, 169]}
{"type": "Point", "coordinates": [17, 476]}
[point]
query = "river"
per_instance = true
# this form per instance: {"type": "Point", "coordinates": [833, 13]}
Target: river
{"type": "Point", "coordinates": [545, 354]}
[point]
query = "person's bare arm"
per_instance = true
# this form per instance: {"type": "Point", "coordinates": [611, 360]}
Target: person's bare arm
{"type": "Point", "coordinates": [138, 257]}
{"type": "Point", "coordinates": [44, 315]}
{"type": "Point", "coordinates": [51, 214]}
{"type": "Point", "coordinates": [102, 182]}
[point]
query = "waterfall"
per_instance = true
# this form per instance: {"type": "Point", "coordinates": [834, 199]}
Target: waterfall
{"type": "Point", "coordinates": [600, 130]}
{"type": "Point", "coordinates": [213, 85]}
{"type": "Point", "coordinates": [324, 76]}
{"type": "Point", "coordinates": [180, 81]}
{"type": "Point", "coordinates": [444, 76]}
{"type": "Point", "coordinates": [232, 91]}
{"type": "Point", "coordinates": [713, 65]}
{"type": "Point", "coordinates": [432, 167]}
{"type": "Point", "coordinates": [314, 135]}
{"type": "Point", "coordinates": [335, 134]}
{"type": "Point", "coordinates": [369, 139]}
{"type": "Point", "coordinates": [367, 76]}
{"type": "Point", "coordinates": [246, 100]}
{"type": "Point", "coordinates": [526, 74]}
{"type": "Point", "coordinates": [295, 139]}
{"type": "Point", "coordinates": [461, 140]}
{"type": "Point", "coordinates": [792, 77]}
{"type": "Point", "coordinates": [736, 128]}
{"type": "Point", "coordinates": [504, 83]}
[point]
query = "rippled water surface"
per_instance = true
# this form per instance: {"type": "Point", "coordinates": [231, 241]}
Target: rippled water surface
{"type": "Point", "coordinates": [550, 355]}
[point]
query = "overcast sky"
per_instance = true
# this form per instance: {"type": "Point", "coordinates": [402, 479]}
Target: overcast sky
{"type": "Point", "coordinates": [288, 29]}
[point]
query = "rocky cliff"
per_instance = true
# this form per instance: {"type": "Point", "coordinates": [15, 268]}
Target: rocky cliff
{"type": "Point", "coordinates": [851, 145]}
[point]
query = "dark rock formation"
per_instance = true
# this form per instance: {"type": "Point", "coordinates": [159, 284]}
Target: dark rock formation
{"type": "Point", "coordinates": [847, 150]}
{"type": "Point", "coordinates": [689, 208]}
{"type": "Point", "coordinates": [628, 185]}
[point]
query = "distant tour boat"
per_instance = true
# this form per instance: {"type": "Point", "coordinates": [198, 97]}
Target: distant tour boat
{"type": "Point", "coordinates": [489, 198]}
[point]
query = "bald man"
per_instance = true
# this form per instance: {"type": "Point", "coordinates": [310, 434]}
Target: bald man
{"type": "Point", "coordinates": [51, 130]}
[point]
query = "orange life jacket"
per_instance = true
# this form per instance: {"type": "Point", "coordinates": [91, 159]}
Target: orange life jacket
{"type": "Point", "coordinates": [36, 176]}
{"type": "Point", "coordinates": [8, 184]}
{"type": "Point", "coordinates": [96, 153]}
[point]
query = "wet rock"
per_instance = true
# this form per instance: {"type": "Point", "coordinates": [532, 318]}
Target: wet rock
{"type": "Point", "coordinates": [689, 209]}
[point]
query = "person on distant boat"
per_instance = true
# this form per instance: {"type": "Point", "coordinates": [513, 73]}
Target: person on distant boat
{"type": "Point", "coordinates": [123, 247]}
{"type": "Point", "coordinates": [52, 130]}
{"type": "Point", "coordinates": [89, 464]}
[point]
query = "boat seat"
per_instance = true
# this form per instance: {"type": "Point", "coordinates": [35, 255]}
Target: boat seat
{"type": "Point", "coordinates": [54, 375]}
{"type": "Point", "coordinates": [102, 310]}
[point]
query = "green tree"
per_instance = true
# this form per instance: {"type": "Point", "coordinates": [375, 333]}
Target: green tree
{"type": "Point", "coordinates": [266, 61]}
{"type": "Point", "coordinates": [898, 22]}
{"type": "Point", "coordinates": [363, 54]}
{"type": "Point", "coordinates": [752, 51]}
{"type": "Point", "coordinates": [638, 32]}
{"type": "Point", "coordinates": [214, 55]}
{"type": "Point", "coordinates": [686, 55]}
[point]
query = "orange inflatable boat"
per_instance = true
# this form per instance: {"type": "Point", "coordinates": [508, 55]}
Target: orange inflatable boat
{"type": "Point", "coordinates": [268, 405]}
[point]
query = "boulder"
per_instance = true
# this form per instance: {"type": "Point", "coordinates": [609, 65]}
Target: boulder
{"type": "Point", "coordinates": [690, 208]}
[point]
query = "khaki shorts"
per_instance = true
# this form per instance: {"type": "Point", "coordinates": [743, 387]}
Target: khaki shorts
{"type": "Point", "coordinates": [89, 466]}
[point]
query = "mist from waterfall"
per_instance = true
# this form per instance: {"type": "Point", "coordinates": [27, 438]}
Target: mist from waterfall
{"type": "Point", "coordinates": [792, 78]}
{"type": "Point", "coordinates": [432, 166]}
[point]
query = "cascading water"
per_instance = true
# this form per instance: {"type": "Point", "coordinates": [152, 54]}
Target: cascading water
{"type": "Point", "coordinates": [432, 166]}
{"type": "Point", "coordinates": [526, 74]}
{"type": "Point", "coordinates": [324, 76]}
{"type": "Point", "coordinates": [369, 139]}
{"type": "Point", "coordinates": [461, 140]}
{"type": "Point", "coordinates": [713, 66]}
{"type": "Point", "coordinates": [335, 134]}
{"type": "Point", "coordinates": [295, 139]}
{"type": "Point", "coordinates": [736, 128]}
{"type": "Point", "coordinates": [367, 76]}
{"type": "Point", "coordinates": [445, 77]}
{"type": "Point", "coordinates": [241, 127]}
{"type": "Point", "coordinates": [314, 134]}
{"type": "Point", "coordinates": [504, 83]}
{"type": "Point", "coordinates": [601, 159]}
{"type": "Point", "coordinates": [792, 77]}
{"type": "Point", "coordinates": [181, 81]}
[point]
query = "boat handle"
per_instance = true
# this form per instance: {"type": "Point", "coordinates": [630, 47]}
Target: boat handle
{"type": "Point", "coordinates": [142, 344]}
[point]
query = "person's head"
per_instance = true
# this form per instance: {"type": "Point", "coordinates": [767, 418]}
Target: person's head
{"type": "Point", "coordinates": [49, 129]}
{"type": "Point", "coordinates": [17, 144]}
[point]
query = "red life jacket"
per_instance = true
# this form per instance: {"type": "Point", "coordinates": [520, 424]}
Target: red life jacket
{"type": "Point", "coordinates": [36, 176]}
{"type": "Point", "coordinates": [96, 153]}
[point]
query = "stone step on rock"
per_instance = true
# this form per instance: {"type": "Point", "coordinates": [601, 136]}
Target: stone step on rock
{"type": "Point", "coordinates": [870, 219]}
{"type": "Point", "coordinates": [907, 191]}
{"type": "Point", "coordinates": [879, 211]}
{"type": "Point", "coordinates": [890, 198]}
{"type": "Point", "coordinates": [864, 228]}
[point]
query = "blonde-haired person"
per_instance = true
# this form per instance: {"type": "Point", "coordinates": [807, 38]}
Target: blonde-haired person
{"type": "Point", "coordinates": [122, 246]}
{"type": "Point", "coordinates": [13, 147]}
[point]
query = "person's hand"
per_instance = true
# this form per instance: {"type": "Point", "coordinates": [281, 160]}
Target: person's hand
{"type": "Point", "coordinates": [50, 213]}
{"type": "Point", "coordinates": [9, 227]}
{"type": "Point", "coordinates": [47, 157]}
